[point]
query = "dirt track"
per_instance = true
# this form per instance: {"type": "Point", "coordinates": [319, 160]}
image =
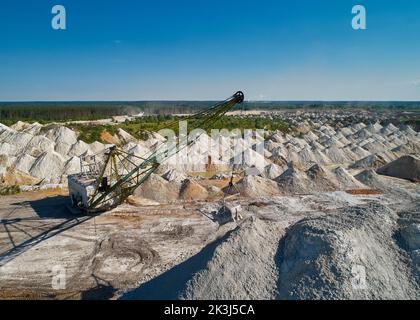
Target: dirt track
{"type": "Point", "coordinates": [144, 250]}
{"type": "Point", "coordinates": [39, 233]}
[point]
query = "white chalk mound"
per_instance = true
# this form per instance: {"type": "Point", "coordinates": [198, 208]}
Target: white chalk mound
{"type": "Point", "coordinates": [321, 258]}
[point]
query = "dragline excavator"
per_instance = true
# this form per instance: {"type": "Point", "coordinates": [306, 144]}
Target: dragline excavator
{"type": "Point", "coordinates": [100, 187]}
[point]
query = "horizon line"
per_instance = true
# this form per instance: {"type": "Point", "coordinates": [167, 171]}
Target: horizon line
{"type": "Point", "coordinates": [186, 100]}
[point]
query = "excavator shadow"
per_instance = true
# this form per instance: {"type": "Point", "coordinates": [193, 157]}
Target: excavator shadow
{"type": "Point", "coordinates": [51, 218]}
{"type": "Point", "coordinates": [49, 208]}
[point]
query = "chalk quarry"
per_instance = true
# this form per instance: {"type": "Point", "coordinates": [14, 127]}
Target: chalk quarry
{"type": "Point", "coordinates": [329, 213]}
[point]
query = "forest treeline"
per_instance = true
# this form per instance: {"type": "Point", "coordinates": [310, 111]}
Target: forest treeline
{"type": "Point", "coordinates": [48, 112]}
{"type": "Point", "coordinates": [43, 112]}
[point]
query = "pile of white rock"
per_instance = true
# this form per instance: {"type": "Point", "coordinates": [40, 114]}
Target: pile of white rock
{"type": "Point", "coordinates": [50, 153]}
{"type": "Point", "coordinates": [46, 154]}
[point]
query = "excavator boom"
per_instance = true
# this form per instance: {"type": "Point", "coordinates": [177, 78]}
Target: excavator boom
{"type": "Point", "coordinates": [122, 173]}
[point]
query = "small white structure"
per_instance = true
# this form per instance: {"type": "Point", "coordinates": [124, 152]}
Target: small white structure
{"type": "Point", "coordinates": [234, 210]}
{"type": "Point", "coordinates": [81, 189]}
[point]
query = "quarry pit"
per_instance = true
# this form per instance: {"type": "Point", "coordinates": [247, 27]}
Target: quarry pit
{"type": "Point", "coordinates": [331, 213]}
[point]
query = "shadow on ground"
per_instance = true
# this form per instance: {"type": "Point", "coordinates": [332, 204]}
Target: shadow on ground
{"type": "Point", "coordinates": [279, 259]}
{"type": "Point", "coordinates": [49, 208]}
{"type": "Point", "coordinates": [102, 291]}
{"type": "Point", "coordinates": [171, 284]}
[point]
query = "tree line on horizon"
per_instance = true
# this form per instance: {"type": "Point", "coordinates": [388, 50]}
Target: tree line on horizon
{"type": "Point", "coordinates": [44, 112]}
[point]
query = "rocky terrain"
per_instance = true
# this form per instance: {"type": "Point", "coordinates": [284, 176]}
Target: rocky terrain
{"type": "Point", "coordinates": [329, 212]}
{"type": "Point", "coordinates": [35, 154]}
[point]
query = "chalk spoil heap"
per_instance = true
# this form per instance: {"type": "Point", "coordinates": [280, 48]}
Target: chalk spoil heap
{"type": "Point", "coordinates": [46, 153]}
{"type": "Point", "coordinates": [320, 159]}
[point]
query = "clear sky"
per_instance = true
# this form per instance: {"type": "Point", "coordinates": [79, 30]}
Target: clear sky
{"type": "Point", "coordinates": [207, 49]}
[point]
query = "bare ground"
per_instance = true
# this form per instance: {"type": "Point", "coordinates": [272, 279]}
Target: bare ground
{"type": "Point", "coordinates": [287, 247]}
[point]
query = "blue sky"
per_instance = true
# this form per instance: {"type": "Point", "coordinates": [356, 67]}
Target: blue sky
{"type": "Point", "coordinates": [202, 49]}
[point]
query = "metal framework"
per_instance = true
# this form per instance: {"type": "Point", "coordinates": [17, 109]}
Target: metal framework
{"type": "Point", "coordinates": [122, 172]}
